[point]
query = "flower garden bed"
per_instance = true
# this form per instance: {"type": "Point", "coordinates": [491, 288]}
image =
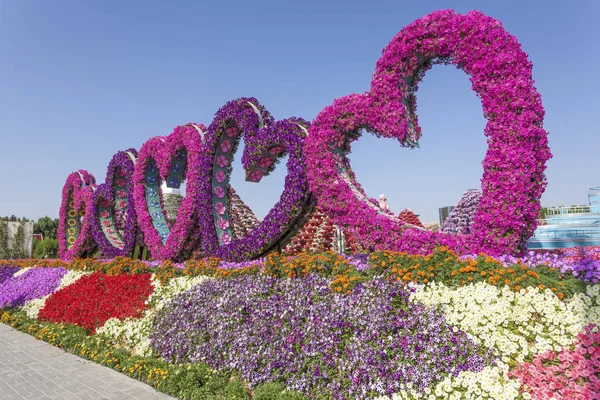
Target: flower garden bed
{"type": "Point", "coordinates": [325, 325]}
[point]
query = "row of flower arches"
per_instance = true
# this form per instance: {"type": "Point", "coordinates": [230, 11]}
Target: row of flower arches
{"type": "Point", "coordinates": [318, 168]}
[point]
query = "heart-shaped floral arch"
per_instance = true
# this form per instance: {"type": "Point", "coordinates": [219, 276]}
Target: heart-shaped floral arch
{"type": "Point", "coordinates": [74, 231]}
{"type": "Point", "coordinates": [172, 159]}
{"type": "Point", "coordinates": [513, 179]}
{"type": "Point", "coordinates": [266, 142]}
{"type": "Point", "coordinates": [113, 216]}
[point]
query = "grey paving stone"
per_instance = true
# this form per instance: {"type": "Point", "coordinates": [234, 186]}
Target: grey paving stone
{"type": "Point", "coordinates": [32, 370]}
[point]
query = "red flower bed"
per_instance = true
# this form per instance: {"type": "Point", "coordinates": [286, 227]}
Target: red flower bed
{"type": "Point", "coordinates": [95, 298]}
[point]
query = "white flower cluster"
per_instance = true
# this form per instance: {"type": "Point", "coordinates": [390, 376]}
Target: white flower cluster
{"type": "Point", "coordinates": [516, 325]}
{"type": "Point", "coordinates": [33, 307]}
{"type": "Point", "coordinates": [490, 383]}
{"type": "Point", "coordinates": [134, 333]}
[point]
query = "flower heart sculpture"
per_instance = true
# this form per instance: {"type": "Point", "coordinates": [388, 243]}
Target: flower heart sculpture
{"type": "Point", "coordinates": [172, 159]}
{"type": "Point", "coordinates": [74, 232]}
{"type": "Point", "coordinates": [113, 217]}
{"type": "Point", "coordinates": [513, 179]}
{"type": "Point", "coordinates": [266, 142]}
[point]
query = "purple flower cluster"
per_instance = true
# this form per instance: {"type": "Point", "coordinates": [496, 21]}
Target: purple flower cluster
{"type": "Point", "coordinates": [585, 268]}
{"type": "Point", "coordinates": [371, 342]}
{"type": "Point", "coordinates": [235, 119]}
{"type": "Point", "coordinates": [461, 217]}
{"type": "Point", "coordinates": [32, 284]}
{"type": "Point", "coordinates": [111, 240]}
{"type": "Point", "coordinates": [360, 261]}
{"type": "Point", "coordinates": [266, 142]}
{"type": "Point", "coordinates": [6, 272]}
{"type": "Point", "coordinates": [259, 262]}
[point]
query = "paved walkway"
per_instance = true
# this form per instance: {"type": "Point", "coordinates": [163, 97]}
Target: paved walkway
{"type": "Point", "coordinates": [33, 369]}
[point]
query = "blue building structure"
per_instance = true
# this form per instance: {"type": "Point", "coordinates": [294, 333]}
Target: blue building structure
{"type": "Point", "coordinates": [569, 226]}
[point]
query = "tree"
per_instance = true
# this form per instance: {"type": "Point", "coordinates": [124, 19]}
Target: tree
{"type": "Point", "coordinates": [47, 227]}
{"type": "Point", "coordinates": [46, 248]}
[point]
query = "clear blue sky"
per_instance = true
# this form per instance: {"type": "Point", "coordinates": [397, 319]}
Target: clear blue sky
{"type": "Point", "coordinates": [80, 80]}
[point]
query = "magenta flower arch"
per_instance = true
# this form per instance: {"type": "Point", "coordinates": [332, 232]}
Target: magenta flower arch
{"type": "Point", "coordinates": [74, 227]}
{"type": "Point", "coordinates": [513, 179]}
{"type": "Point", "coordinates": [173, 158]}
{"type": "Point", "coordinates": [112, 197]}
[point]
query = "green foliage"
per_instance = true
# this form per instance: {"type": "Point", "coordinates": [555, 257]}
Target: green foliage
{"type": "Point", "coordinates": [47, 227]}
{"type": "Point", "coordinates": [47, 248]}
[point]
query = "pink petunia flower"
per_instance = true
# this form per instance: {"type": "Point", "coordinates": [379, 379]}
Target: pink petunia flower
{"type": "Point", "coordinates": [219, 191]}
{"type": "Point", "coordinates": [222, 161]}
{"type": "Point", "coordinates": [225, 146]}
{"type": "Point", "coordinates": [275, 150]}
{"type": "Point", "coordinates": [266, 162]}
{"type": "Point", "coordinates": [225, 238]}
{"type": "Point", "coordinates": [220, 176]}
{"type": "Point", "coordinates": [256, 175]}
{"type": "Point", "coordinates": [222, 223]}
{"type": "Point", "coordinates": [220, 208]}
{"type": "Point", "coordinates": [232, 131]}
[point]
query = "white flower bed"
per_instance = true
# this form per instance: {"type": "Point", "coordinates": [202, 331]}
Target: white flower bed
{"type": "Point", "coordinates": [134, 333]}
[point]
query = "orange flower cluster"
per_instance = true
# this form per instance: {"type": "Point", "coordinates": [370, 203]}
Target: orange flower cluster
{"type": "Point", "coordinates": [329, 263]}
{"type": "Point", "coordinates": [445, 266]}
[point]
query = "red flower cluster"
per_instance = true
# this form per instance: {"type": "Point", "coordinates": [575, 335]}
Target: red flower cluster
{"type": "Point", "coordinates": [409, 217]}
{"type": "Point", "coordinates": [316, 235]}
{"type": "Point", "coordinates": [93, 299]}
